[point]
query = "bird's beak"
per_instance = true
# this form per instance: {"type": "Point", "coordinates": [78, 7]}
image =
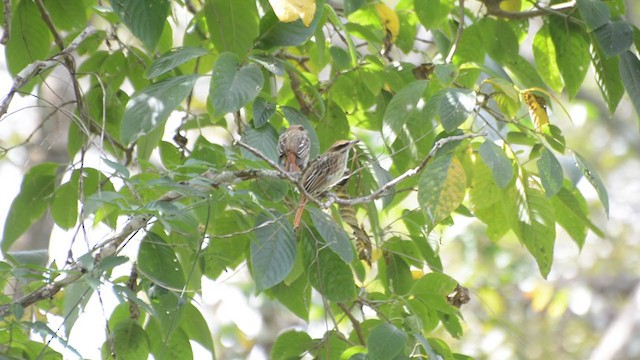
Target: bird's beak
{"type": "Point", "coordinates": [353, 142]}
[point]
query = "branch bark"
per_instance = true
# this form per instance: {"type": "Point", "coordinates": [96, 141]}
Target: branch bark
{"type": "Point", "coordinates": [39, 66]}
{"type": "Point", "coordinates": [204, 183]}
{"type": "Point", "coordinates": [382, 191]}
{"type": "Point", "coordinates": [7, 22]}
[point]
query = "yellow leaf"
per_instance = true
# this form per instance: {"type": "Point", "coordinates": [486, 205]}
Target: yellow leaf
{"type": "Point", "coordinates": [511, 5]}
{"type": "Point", "coordinates": [417, 274]}
{"type": "Point", "coordinates": [537, 109]}
{"type": "Point", "coordinates": [292, 10]}
{"type": "Point", "coordinates": [389, 19]}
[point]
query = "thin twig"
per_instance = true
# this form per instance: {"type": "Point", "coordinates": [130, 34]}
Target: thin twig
{"type": "Point", "coordinates": [354, 322]}
{"type": "Point", "coordinates": [39, 66]}
{"type": "Point", "coordinates": [214, 180]}
{"type": "Point", "coordinates": [411, 172]}
{"type": "Point", "coordinates": [7, 22]}
{"type": "Point", "coordinates": [47, 20]}
{"type": "Point", "coordinates": [454, 47]}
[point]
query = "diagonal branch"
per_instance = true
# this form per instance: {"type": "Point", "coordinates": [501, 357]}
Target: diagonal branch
{"type": "Point", "coordinates": [382, 191]}
{"type": "Point", "coordinates": [39, 66]}
{"type": "Point", "coordinates": [456, 41]}
{"type": "Point", "coordinates": [205, 182]}
{"type": "Point", "coordinates": [111, 246]}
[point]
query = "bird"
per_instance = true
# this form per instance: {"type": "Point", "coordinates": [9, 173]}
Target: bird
{"type": "Point", "coordinates": [323, 173]}
{"type": "Point", "coordinates": [293, 148]}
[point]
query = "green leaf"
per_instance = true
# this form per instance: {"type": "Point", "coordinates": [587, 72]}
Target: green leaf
{"type": "Point", "coordinates": [433, 284]}
{"type": "Point", "coordinates": [172, 59]}
{"type": "Point", "coordinates": [67, 14]}
{"type": "Point", "coordinates": [30, 203]}
{"type": "Point", "coordinates": [572, 53]}
{"type": "Point", "coordinates": [150, 108]}
{"type": "Point", "coordinates": [64, 205]}
{"type": "Point", "coordinates": [232, 87]}
{"type": "Point", "coordinates": [273, 251]}
{"type": "Point", "coordinates": [498, 162]}
{"type": "Point", "coordinates": [329, 274]}
{"type": "Point", "coordinates": [595, 13]}
{"type": "Point", "coordinates": [537, 225]}
{"type": "Point", "coordinates": [526, 73]}
{"type": "Point", "coordinates": [554, 137]}
{"type": "Point", "coordinates": [432, 13]}
{"type": "Point", "coordinates": [607, 77]}
{"type": "Point", "coordinates": [544, 52]}
{"type": "Point", "coordinates": [332, 234]}
{"type": "Point", "coordinates": [196, 327]}
{"type": "Point", "coordinates": [402, 106]}
{"type": "Point", "coordinates": [630, 74]}
{"type": "Point", "coordinates": [483, 191]}
{"type": "Point", "coordinates": [145, 18]}
{"type": "Point", "coordinates": [262, 111]}
{"type": "Point", "coordinates": [264, 139]}
{"type": "Point", "coordinates": [30, 38]}
{"type": "Point", "coordinates": [223, 253]}
{"type": "Point", "coordinates": [385, 342]}
{"type": "Point", "coordinates": [408, 28]}
{"type": "Point", "coordinates": [350, 6]}
{"type": "Point", "coordinates": [158, 262]}
{"type": "Point", "coordinates": [425, 345]}
{"type": "Point", "coordinates": [271, 63]}
{"type": "Point", "coordinates": [76, 297]}
{"type": "Point", "coordinates": [503, 50]}
{"type": "Point", "coordinates": [446, 73]}
{"type": "Point", "coordinates": [233, 25]}
{"type": "Point", "coordinates": [614, 37]}
{"type": "Point", "coordinates": [455, 107]}
{"type": "Point", "coordinates": [147, 143]}
{"type": "Point", "coordinates": [592, 176]}
{"type": "Point", "coordinates": [397, 273]}
{"type": "Point", "coordinates": [331, 346]}
{"type": "Point", "coordinates": [130, 341]}
{"type": "Point", "coordinates": [571, 214]}
{"type": "Point", "coordinates": [452, 325]}
{"type": "Point", "coordinates": [441, 188]}
{"type": "Point", "coordinates": [170, 155]}
{"type": "Point", "coordinates": [296, 297]}
{"type": "Point", "coordinates": [176, 346]}
{"type": "Point", "coordinates": [274, 33]}
{"type": "Point", "coordinates": [291, 344]}
{"type": "Point", "coordinates": [550, 172]}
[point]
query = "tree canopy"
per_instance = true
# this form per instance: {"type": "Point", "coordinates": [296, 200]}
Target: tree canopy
{"type": "Point", "coordinates": [172, 115]}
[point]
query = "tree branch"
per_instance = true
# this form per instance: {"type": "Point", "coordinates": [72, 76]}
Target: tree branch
{"type": "Point", "coordinates": [209, 179]}
{"type": "Point", "coordinates": [454, 47]}
{"type": "Point", "coordinates": [411, 172]}
{"type": "Point", "coordinates": [7, 22]}
{"type": "Point", "coordinates": [47, 20]}
{"type": "Point", "coordinates": [37, 67]}
{"type": "Point", "coordinates": [111, 246]}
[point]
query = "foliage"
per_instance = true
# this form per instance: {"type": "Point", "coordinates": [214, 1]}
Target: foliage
{"type": "Point", "coordinates": [465, 132]}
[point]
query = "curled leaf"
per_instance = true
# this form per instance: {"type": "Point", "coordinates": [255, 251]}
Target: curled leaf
{"type": "Point", "coordinates": [537, 109]}
{"type": "Point", "coordinates": [389, 19]}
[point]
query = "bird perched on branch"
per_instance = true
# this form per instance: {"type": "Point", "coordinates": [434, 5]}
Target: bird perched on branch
{"type": "Point", "coordinates": [323, 173]}
{"type": "Point", "coordinates": [293, 148]}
